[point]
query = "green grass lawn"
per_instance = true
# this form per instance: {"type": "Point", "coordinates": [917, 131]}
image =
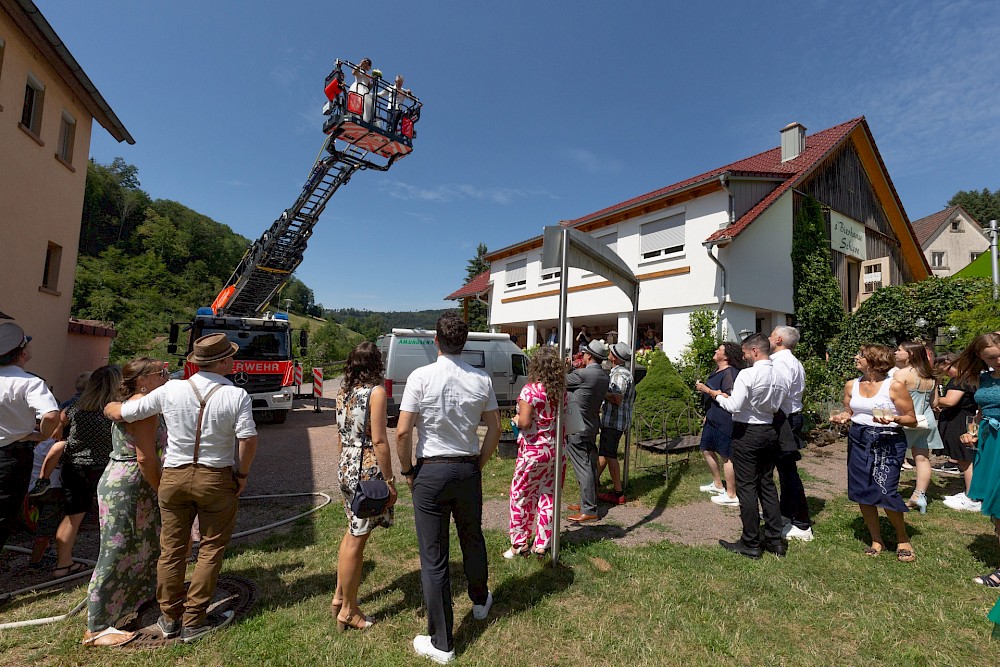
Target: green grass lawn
{"type": "Point", "coordinates": [665, 604]}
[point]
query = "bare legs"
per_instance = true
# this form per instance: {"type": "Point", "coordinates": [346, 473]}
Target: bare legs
{"type": "Point", "coordinates": [613, 469]}
{"type": "Point", "coordinates": [66, 537]}
{"type": "Point", "coordinates": [870, 513]}
{"type": "Point", "coordinates": [718, 472]}
{"type": "Point", "coordinates": [922, 462]}
{"type": "Point", "coordinates": [966, 468]}
{"type": "Point", "coordinates": [349, 561]}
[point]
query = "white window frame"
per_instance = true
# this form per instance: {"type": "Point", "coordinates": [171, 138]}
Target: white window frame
{"type": "Point", "coordinates": [516, 275]}
{"type": "Point", "coordinates": [34, 124]}
{"type": "Point", "coordinates": [939, 259]}
{"type": "Point", "coordinates": [880, 269]}
{"type": "Point", "coordinates": [974, 256]}
{"type": "Point", "coordinates": [666, 227]}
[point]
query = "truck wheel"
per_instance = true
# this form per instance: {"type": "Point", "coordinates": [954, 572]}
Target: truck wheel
{"type": "Point", "coordinates": [278, 416]}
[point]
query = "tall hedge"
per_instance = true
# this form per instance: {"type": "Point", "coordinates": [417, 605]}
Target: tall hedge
{"type": "Point", "coordinates": [819, 309]}
{"type": "Point", "coordinates": [662, 396]}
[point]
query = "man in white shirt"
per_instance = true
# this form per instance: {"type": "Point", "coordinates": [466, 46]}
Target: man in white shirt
{"type": "Point", "coordinates": [757, 395]}
{"type": "Point", "coordinates": [445, 401]}
{"type": "Point", "coordinates": [793, 495]}
{"type": "Point", "coordinates": [24, 400]}
{"type": "Point", "coordinates": [206, 416]}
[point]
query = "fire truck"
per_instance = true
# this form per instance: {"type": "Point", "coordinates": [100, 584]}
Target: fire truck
{"type": "Point", "coordinates": [369, 125]}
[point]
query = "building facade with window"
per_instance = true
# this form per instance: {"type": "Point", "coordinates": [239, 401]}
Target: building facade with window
{"type": "Point", "coordinates": [951, 240]}
{"type": "Point", "coordinates": [722, 240]}
{"type": "Point", "coordinates": [47, 109]}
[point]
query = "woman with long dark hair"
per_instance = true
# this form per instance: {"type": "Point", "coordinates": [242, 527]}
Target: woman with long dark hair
{"type": "Point", "coordinates": [974, 370]}
{"type": "Point", "coordinates": [364, 455]}
{"type": "Point", "coordinates": [86, 454]}
{"type": "Point", "coordinates": [916, 374]}
{"type": "Point", "coordinates": [717, 433]}
{"type": "Point", "coordinates": [125, 574]}
{"type": "Point", "coordinates": [957, 404]}
{"type": "Point", "coordinates": [877, 406]}
{"type": "Point", "coordinates": [533, 484]}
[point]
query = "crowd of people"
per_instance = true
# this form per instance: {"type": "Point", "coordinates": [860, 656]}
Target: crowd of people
{"type": "Point", "coordinates": [158, 454]}
{"type": "Point", "coordinates": [158, 457]}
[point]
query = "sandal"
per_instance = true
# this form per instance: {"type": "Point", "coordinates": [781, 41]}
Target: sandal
{"type": "Point", "coordinates": [991, 580]}
{"type": "Point", "coordinates": [72, 568]}
{"type": "Point", "coordinates": [514, 552]}
{"type": "Point", "coordinates": [109, 636]}
{"type": "Point", "coordinates": [355, 621]}
{"type": "Point", "coordinates": [905, 556]}
{"type": "Point", "coordinates": [872, 552]}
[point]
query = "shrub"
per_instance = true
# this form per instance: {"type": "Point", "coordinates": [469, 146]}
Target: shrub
{"type": "Point", "coordinates": [697, 356]}
{"type": "Point", "coordinates": [662, 395]}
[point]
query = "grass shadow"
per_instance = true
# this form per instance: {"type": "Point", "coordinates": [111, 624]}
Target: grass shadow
{"type": "Point", "coordinates": [860, 531]}
{"type": "Point", "coordinates": [816, 505]}
{"type": "Point", "coordinates": [985, 549]}
{"type": "Point", "coordinates": [278, 590]}
{"type": "Point", "coordinates": [514, 596]}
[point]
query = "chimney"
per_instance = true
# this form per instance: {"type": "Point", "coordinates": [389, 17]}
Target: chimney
{"type": "Point", "coordinates": [793, 141]}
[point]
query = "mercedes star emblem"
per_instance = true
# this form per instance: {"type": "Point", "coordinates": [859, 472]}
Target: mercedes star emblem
{"type": "Point", "coordinates": [241, 378]}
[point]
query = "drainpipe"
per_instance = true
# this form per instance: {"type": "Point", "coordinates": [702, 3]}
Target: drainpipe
{"type": "Point", "coordinates": [725, 284]}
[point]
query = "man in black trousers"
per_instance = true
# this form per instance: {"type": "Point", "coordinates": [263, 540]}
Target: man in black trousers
{"type": "Point", "coordinates": [445, 401]}
{"type": "Point", "coordinates": [757, 395]}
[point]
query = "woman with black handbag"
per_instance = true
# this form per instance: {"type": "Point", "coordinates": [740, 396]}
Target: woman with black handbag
{"type": "Point", "coordinates": [365, 475]}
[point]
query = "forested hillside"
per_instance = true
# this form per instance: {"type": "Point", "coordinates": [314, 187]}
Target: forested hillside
{"type": "Point", "coordinates": [145, 263]}
{"type": "Point", "coordinates": [368, 322]}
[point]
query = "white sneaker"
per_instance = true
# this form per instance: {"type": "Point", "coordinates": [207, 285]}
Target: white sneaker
{"type": "Point", "coordinates": [711, 488]}
{"type": "Point", "coordinates": [963, 504]}
{"type": "Point", "coordinates": [423, 646]}
{"type": "Point", "coordinates": [792, 532]}
{"type": "Point", "coordinates": [723, 499]}
{"type": "Point", "coordinates": [480, 611]}
{"type": "Point", "coordinates": [957, 496]}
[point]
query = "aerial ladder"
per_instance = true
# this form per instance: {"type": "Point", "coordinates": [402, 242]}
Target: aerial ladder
{"type": "Point", "coordinates": [368, 126]}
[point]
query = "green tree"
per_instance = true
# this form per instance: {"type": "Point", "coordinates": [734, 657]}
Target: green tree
{"type": "Point", "coordinates": [981, 205]}
{"type": "Point", "coordinates": [819, 309]}
{"type": "Point", "coordinates": [696, 359]}
{"type": "Point", "coordinates": [478, 315]}
{"type": "Point", "coordinates": [662, 398]}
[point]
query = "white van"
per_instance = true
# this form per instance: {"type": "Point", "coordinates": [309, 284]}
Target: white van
{"type": "Point", "coordinates": [405, 350]}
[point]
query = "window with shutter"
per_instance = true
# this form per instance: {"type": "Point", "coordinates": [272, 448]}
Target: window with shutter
{"type": "Point", "coordinates": [516, 274]}
{"type": "Point", "coordinates": [874, 275]}
{"type": "Point", "coordinates": [662, 237]}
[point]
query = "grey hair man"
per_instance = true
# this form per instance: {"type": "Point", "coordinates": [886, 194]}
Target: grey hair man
{"type": "Point", "coordinates": [793, 494]}
{"type": "Point", "coordinates": [24, 401]}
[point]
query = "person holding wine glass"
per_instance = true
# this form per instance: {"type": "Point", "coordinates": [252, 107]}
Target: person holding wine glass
{"type": "Point", "coordinates": [915, 372]}
{"type": "Point", "coordinates": [876, 408]}
{"type": "Point", "coordinates": [974, 369]}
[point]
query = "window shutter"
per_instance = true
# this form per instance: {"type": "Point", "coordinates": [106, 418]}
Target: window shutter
{"type": "Point", "coordinates": [662, 234]}
{"type": "Point", "coordinates": [516, 273]}
{"type": "Point", "coordinates": [874, 275]}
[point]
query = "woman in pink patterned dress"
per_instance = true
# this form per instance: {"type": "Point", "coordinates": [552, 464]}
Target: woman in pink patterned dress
{"type": "Point", "coordinates": [534, 475]}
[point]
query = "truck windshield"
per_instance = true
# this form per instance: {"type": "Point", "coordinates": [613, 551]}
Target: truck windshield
{"type": "Point", "coordinates": [256, 344]}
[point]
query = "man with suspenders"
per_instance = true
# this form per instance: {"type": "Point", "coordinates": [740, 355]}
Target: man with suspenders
{"type": "Point", "coordinates": [206, 415]}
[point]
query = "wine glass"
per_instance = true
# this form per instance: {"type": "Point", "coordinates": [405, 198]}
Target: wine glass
{"type": "Point", "coordinates": [972, 428]}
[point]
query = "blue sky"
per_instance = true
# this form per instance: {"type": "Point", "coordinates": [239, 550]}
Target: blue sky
{"type": "Point", "coordinates": [534, 112]}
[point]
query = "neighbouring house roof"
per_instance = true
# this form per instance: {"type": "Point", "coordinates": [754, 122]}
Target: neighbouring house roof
{"type": "Point", "coordinates": [33, 24]}
{"type": "Point", "coordinates": [474, 287]}
{"type": "Point", "coordinates": [92, 328]}
{"type": "Point", "coordinates": [926, 228]}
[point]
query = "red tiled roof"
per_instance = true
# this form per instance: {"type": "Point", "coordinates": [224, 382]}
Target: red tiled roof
{"type": "Point", "coordinates": [768, 163]}
{"type": "Point", "coordinates": [924, 228]}
{"type": "Point", "coordinates": [477, 285]}
{"type": "Point", "coordinates": [92, 328]}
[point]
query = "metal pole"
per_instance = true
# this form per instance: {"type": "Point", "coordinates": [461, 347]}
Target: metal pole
{"type": "Point", "coordinates": [993, 258]}
{"type": "Point", "coordinates": [560, 416]}
{"type": "Point", "coordinates": [631, 369]}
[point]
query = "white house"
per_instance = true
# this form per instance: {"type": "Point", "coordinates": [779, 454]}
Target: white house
{"type": "Point", "coordinates": [720, 240]}
{"type": "Point", "coordinates": [951, 240]}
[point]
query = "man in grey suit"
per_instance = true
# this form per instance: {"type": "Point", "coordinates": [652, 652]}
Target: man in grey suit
{"type": "Point", "coordinates": [587, 388]}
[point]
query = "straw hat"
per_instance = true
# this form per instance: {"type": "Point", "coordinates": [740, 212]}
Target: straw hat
{"type": "Point", "coordinates": [211, 348]}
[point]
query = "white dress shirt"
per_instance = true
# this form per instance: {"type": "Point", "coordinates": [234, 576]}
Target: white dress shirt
{"type": "Point", "coordinates": [449, 397]}
{"type": "Point", "coordinates": [757, 394]}
{"type": "Point", "coordinates": [228, 416]}
{"type": "Point", "coordinates": [24, 398]}
{"type": "Point", "coordinates": [791, 369]}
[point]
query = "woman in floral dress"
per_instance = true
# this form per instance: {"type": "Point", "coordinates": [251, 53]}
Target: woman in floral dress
{"type": "Point", "coordinates": [364, 454]}
{"type": "Point", "coordinates": [125, 574]}
{"type": "Point", "coordinates": [533, 485]}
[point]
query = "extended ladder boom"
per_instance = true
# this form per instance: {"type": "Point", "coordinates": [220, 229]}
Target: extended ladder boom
{"type": "Point", "coordinates": [269, 262]}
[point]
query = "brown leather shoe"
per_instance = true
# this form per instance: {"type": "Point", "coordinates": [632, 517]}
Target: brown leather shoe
{"type": "Point", "coordinates": [573, 507]}
{"type": "Point", "coordinates": [581, 517]}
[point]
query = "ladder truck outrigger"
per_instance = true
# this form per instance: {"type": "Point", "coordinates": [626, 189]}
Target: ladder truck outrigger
{"type": "Point", "coordinates": [369, 126]}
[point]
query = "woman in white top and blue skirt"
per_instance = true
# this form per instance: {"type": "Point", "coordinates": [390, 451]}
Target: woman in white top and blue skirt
{"type": "Point", "coordinates": [877, 407]}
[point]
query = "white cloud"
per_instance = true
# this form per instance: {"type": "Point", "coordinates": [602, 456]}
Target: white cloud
{"type": "Point", "coordinates": [590, 161]}
{"type": "Point", "coordinates": [450, 192]}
